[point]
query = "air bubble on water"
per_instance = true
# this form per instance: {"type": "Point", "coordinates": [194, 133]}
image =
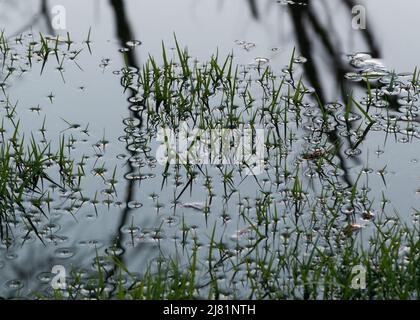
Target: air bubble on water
{"type": "Point", "coordinates": [135, 99]}
{"type": "Point", "coordinates": [28, 238]}
{"type": "Point", "coordinates": [359, 59]}
{"type": "Point", "coordinates": [93, 243]}
{"type": "Point", "coordinates": [131, 122]}
{"type": "Point", "coordinates": [130, 230]}
{"type": "Point", "coordinates": [376, 127]}
{"type": "Point", "coordinates": [392, 128]}
{"type": "Point", "coordinates": [349, 117]}
{"type": "Point", "coordinates": [90, 216]}
{"type": "Point", "coordinates": [100, 171]}
{"type": "Point", "coordinates": [121, 156]}
{"type": "Point", "coordinates": [367, 170]}
{"type": "Point", "coordinates": [348, 209]}
{"type": "Point", "coordinates": [136, 107]}
{"type": "Point", "coordinates": [114, 251]}
{"type": "Point", "coordinates": [353, 152]}
{"type": "Point", "coordinates": [11, 256]}
{"type": "Point", "coordinates": [45, 277]}
{"type": "Point", "coordinates": [261, 60]}
{"type": "Point", "coordinates": [300, 60]}
{"type": "Point", "coordinates": [134, 205]}
{"type": "Point", "coordinates": [333, 105]}
{"type": "Point", "coordinates": [103, 264]}
{"type": "Point", "coordinates": [133, 43]}
{"type": "Point", "coordinates": [240, 42]}
{"type": "Point", "coordinates": [51, 227]}
{"type": "Point", "coordinates": [248, 46]}
{"type": "Point", "coordinates": [133, 176]}
{"type": "Point", "coordinates": [15, 284]}
{"type": "Point", "coordinates": [199, 206]}
{"type": "Point", "coordinates": [64, 253]}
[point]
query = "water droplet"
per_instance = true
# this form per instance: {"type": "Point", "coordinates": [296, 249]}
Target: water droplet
{"type": "Point", "coordinates": [11, 256]}
{"type": "Point", "coordinates": [199, 206]}
{"type": "Point", "coordinates": [114, 251]}
{"type": "Point", "coordinates": [353, 152]}
{"type": "Point", "coordinates": [64, 253]}
{"type": "Point", "coordinates": [51, 227]}
{"type": "Point", "coordinates": [45, 277]}
{"type": "Point", "coordinates": [261, 60]}
{"type": "Point", "coordinates": [350, 117]}
{"type": "Point", "coordinates": [367, 170]}
{"type": "Point", "coordinates": [15, 284]}
{"type": "Point", "coordinates": [130, 230]}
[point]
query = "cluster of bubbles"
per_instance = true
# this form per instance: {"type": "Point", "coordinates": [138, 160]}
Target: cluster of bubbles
{"type": "Point", "coordinates": [393, 96]}
{"type": "Point", "coordinates": [46, 230]}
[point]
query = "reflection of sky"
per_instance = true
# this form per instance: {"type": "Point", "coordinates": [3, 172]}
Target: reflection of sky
{"type": "Point", "coordinates": [205, 25]}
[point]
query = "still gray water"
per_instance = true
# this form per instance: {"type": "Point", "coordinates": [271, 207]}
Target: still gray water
{"type": "Point", "coordinates": [130, 205]}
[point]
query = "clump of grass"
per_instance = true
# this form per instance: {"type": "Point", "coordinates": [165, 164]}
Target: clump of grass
{"type": "Point", "coordinates": [23, 169]}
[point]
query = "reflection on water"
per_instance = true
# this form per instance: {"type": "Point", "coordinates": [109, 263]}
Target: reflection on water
{"type": "Point", "coordinates": [333, 122]}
